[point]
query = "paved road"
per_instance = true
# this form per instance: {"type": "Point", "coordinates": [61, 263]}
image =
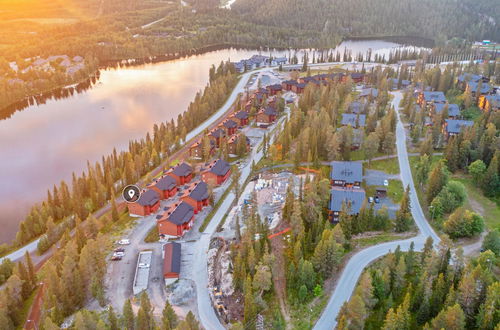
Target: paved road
{"type": "Point", "coordinates": [206, 313]}
{"type": "Point", "coordinates": [351, 273]}
{"type": "Point", "coordinates": [215, 118]}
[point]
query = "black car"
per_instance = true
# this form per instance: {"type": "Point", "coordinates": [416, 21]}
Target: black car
{"type": "Point", "coordinates": [116, 258]}
{"type": "Point", "coordinates": [120, 250]}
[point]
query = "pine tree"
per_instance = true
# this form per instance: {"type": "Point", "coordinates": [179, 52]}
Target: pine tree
{"type": "Point", "coordinates": [489, 314]}
{"type": "Point", "coordinates": [112, 319]}
{"type": "Point", "coordinates": [450, 318]}
{"type": "Point", "coordinates": [437, 180]}
{"type": "Point", "coordinates": [115, 216]}
{"type": "Point", "coordinates": [128, 316]}
{"type": "Point", "coordinates": [31, 270]}
{"type": "Point", "coordinates": [169, 318]}
{"type": "Point", "coordinates": [249, 304]}
{"type": "Point", "coordinates": [403, 215]}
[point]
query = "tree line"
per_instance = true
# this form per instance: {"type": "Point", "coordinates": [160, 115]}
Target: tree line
{"type": "Point", "coordinates": [427, 290]}
{"type": "Point", "coordinates": [66, 203]}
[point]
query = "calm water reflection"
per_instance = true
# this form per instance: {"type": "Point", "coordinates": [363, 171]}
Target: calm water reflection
{"type": "Point", "coordinates": [43, 144]}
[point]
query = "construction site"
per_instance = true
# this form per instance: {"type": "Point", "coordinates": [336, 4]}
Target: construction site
{"type": "Point", "coordinates": [267, 192]}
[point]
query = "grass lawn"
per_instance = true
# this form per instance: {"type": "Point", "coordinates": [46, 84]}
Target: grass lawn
{"type": "Point", "coordinates": [389, 166]}
{"type": "Point", "coordinates": [395, 190]}
{"type": "Point", "coordinates": [152, 236]}
{"type": "Point", "coordinates": [477, 202]}
{"type": "Point", "coordinates": [377, 239]}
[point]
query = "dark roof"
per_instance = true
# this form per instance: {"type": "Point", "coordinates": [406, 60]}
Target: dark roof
{"type": "Point", "coordinates": [165, 183]}
{"type": "Point", "coordinates": [276, 87]}
{"type": "Point", "coordinates": [270, 111]}
{"type": "Point", "coordinates": [172, 262]}
{"type": "Point", "coordinates": [220, 167]}
{"type": "Point", "coordinates": [469, 77]}
{"type": "Point", "coordinates": [357, 75]}
{"type": "Point", "coordinates": [199, 192]}
{"type": "Point", "coordinates": [218, 132]}
{"type": "Point", "coordinates": [356, 107]}
{"type": "Point", "coordinates": [355, 196]}
{"type": "Point", "coordinates": [485, 87]}
{"type": "Point", "coordinates": [435, 97]}
{"type": "Point", "coordinates": [148, 198]}
{"type": "Point", "coordinates": [241, 114]}
{"type": "Point", "coordinates": [181, 214]}
{"type": "Point", "coordinates": [453, 109]}
{"type": "Point", "coordinates": [229, 123]}
{"type": "Point", "coordinates": [301, 85]}
{"type": "Point", "coordinates": [369, 91]}
{"type": "Point", "coordinates": [455, 125]}
{"type": "Point", "coordinates": [290, 82]}
{"type": "Point", "coordinates": [182, 169]}
{"type": "Point", "coordinates": [352, 119]}
{"type": "Point", "coordinates": [494, 99]}
{"type": "Point", "coordinates": [350, 172]}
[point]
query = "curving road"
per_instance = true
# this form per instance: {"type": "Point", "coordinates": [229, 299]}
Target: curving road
{"type": "Point", "coordinates": [206, 313]}
{"type": "Point", "coordinates": [351, 273]}
{"type": "Point", "coordinates": [31, 248]}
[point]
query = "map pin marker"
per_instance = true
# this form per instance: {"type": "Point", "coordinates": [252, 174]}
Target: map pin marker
{"type": "Point", "coordinates": [131, 193]}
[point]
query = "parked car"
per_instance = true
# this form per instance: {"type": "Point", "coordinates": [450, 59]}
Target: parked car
{"type": "Point", "coordinates": [377, 200]}
{"type": "Point", "coordinates": [119, 254]}
{"type": "Point", "coordinates": [120, 250]}
{"type": "Point", "coordinates": [116, 258]}
{"type": "Point", "coordinates": [370, 200]}
{"type": "Point", "coordinates": [386, 183]}
{"type": "Point", "coordinates": [124, 241]}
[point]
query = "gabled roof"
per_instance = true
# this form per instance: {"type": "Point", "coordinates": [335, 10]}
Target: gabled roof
{"type": "Point", "coordinates": [181, 169]}
{"type": "Point", "coordinates": [218, 132]}
{"type": "Point", "coordinates": [148, 198]}
{"type": "Point", "coordinates": [369, 91]}
{"type": "Point", "coordinates": [198, 191]}
{"type": "Point", "coordinates": [241, 114]}
{"type": "Point", "coordinates": [469, 77]}
{"type": "Point", "coordinates": [352, 119]}
{"type": "Point", "coordinates": [453, 109]}
{"type": "Point", "coordinates": [357, 75]}
{"type": "Point", "coordinates": [356, 107]}
{"type": "Point", "coordinates": [494, 99]}
{"type": "Point", "coordinates": [165, 183]}
{"type": "Point", "coordinates": [276, 87]}
{"type": "Point", "coordinates": [352, 197]}
{"type": "Point", "coordinates": [181, 213]}
{"type": "Point", "coordinates": [473, 86]}
{"type": "Point", "coordinates": [172, 255]}
{"type": "Point", "coordinates": [455, 125]}
{"type": "Point", "coordinates": [437, 97]}
{"type": "Point", "coordinates": [290, 82]}
{"type": "Point", "coordinates": [229, 123]}
{"type": "Point", "coordinates": [270, 111]}
{"type": "Point", "coordinates": [350, 172]}
{"type": "Point", "coordinates": [219, 167]}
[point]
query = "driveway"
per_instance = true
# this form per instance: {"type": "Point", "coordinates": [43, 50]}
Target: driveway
{"type": "Point", "coordinates": [355, 266]}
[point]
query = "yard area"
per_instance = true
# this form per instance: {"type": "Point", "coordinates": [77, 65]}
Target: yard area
{"type": "Point", "coordinates": [477, 202]}
{"type": "Point", "coordinates": [389, 166]}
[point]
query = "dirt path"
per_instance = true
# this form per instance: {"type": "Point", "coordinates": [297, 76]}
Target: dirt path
{"type": "Point", "coordinates": [474, 248]}
{"type": "Point", "coordinates": [279, 276]}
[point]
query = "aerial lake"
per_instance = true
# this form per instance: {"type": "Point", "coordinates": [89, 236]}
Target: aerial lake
{"type": "Point", "coordinates": [44, 143]}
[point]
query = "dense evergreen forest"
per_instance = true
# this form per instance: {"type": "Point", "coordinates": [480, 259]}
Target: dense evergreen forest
{"type": "Point", "coordinates": [67, 204]}
{"type": "Point", "coordinates": [424, 290]}
{"type": "Point", "coordinates": [436, 19]}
